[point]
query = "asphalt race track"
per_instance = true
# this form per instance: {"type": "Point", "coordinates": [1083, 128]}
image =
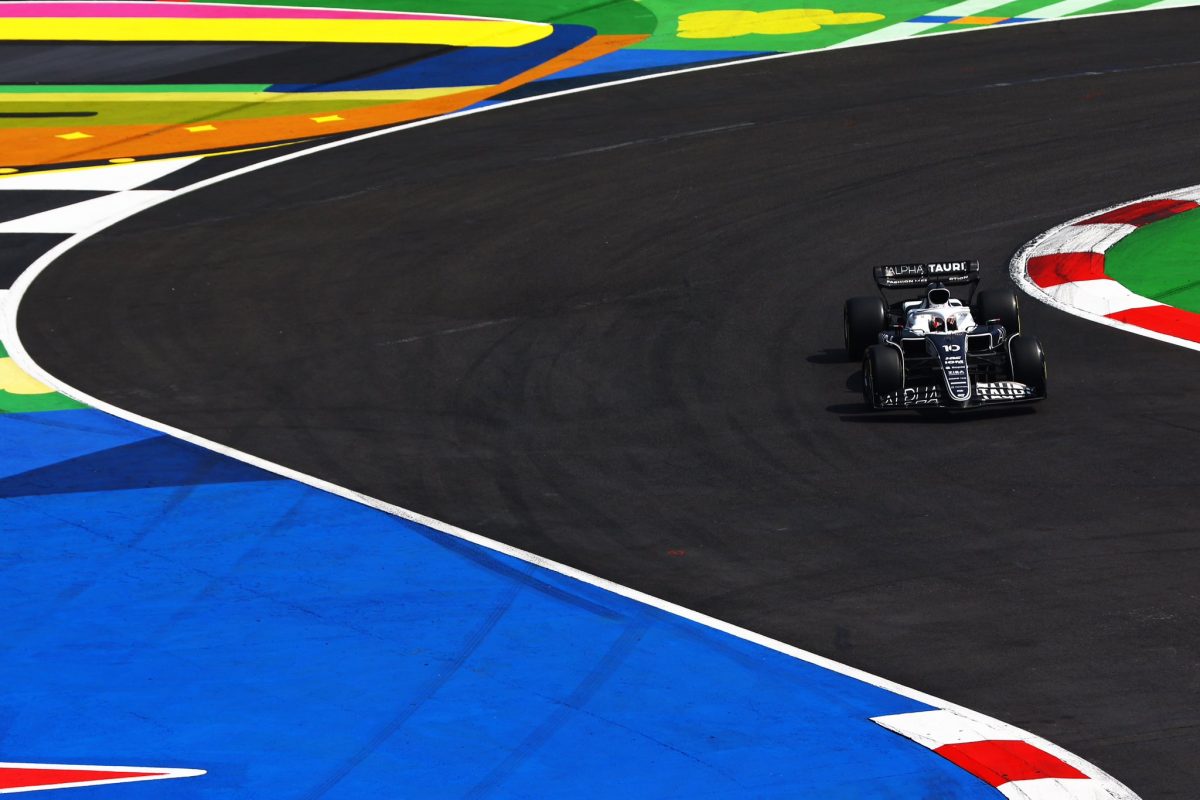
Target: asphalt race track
{"type": "Point", "coordinates": [606, 328]}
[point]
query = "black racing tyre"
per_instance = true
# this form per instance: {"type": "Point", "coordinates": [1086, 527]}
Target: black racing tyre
{"type": "Point", "coordinates": [1028, 363]}
{"type": "Point", "coordinates": [883, 372]}
{"type": "Point", "coordinates": [862, 320]}
{"type": "Point", "coordinates": [999, 304]}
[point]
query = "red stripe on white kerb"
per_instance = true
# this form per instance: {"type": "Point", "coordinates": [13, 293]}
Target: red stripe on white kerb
{"type": "Point", "coordinates": [1016, 764]}
{"type": "Point", "coordinates": [1055, 268]}
{"type": "Point", "coordinates": [1143, 212]}
{"type": "Point", "coordinates": [1001, 761]}
{"type": "Point", "coordinates": [1065, 268]}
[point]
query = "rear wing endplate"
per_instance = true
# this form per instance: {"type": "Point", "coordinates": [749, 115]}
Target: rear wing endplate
{"type": "Point", "coordinates": [951, 273]}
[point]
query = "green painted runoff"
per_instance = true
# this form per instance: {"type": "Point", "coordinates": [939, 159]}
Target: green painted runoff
{"type": "Point", "coordinates": [1161, 261]}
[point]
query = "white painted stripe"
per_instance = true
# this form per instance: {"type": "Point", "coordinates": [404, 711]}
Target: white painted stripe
{"type": "Point", "coordinates": [1193, 193]}
{"type": "Point", "coordinates": [892, 33]}
{"type": "Point", "coordinates": [1054, 789]}
{"type": "Point", "coordinates": [933, 729]}
{"type": "Point", "coordinates": [1062, 9]}
{"type": "Point", "coordinates": [1101, 296]}
{"type": "Point", "coordinates": [8, 333]}
{"type": "Point", "coordinates": [107, 178]}
{"type": "Point", "coordinates": [82, 216]}
{"type": "Point", "coordinates": [1096, 238]}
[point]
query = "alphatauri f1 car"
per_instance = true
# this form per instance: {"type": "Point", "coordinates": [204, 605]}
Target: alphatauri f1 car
{"type": "Point", "coordinates": [921, 347]}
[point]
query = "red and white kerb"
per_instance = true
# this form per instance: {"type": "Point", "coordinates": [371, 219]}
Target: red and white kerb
{"type": "Point", "coordinates": [1005, 757]}
{"type": "Point", "coordinates": [1065, 268]}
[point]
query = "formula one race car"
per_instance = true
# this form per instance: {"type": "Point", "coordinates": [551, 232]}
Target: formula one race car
{"type": "Point", "coordinates": [922, 348]}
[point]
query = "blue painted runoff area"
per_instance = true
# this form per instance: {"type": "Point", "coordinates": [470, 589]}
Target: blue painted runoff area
{"type": "Point", "coordinates": [299, 645]}
{"type": "Point", "coordinates": [639, 61]}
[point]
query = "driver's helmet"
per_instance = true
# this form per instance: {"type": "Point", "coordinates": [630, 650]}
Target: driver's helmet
{"type": "Point", "coordinates": [936, 324]}
{"type": "Point", "coordinates": [937, 296]}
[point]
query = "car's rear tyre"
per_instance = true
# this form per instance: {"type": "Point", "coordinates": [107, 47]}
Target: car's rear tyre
{"type": "Point", "coordinates": [862, 321]}
{"type": "Point", "coordinates": [1029, 363]}
{"type": "Point", "coordinates": [1002, 305]}
{"type": "Point", "coordinates": [883, 372]}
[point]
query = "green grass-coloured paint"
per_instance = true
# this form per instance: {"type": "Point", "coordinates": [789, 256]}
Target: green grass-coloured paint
{"type": "Point", "coordinates": [1161, 261]}
{"type": "Point", "coordinates": [668, 12]}
{"type": "Point", "coordinates": [27, 403]}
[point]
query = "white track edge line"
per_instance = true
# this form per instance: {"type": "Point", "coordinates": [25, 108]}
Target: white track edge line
{"type": "Point", "coordinates": [1017, 271]}
{"type": "Point", "coordinates": [16, 350]}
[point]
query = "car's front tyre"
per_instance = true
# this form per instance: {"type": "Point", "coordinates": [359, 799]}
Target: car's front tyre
{"type": "Point", "coordinates": [1001, 305]}
{"type": "Point", "coordinates": [883, 373]}
{"type": "Point", "coordinates": [863, 319]}
{"type": "Point", "coordinates": [1028, 363]}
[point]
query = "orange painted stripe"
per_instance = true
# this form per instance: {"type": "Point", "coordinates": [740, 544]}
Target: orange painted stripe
{"type": "Point", "coordinates": [40, 146]}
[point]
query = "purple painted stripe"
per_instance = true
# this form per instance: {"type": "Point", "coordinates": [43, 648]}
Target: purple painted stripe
{"type": "Point", "coordinates": [202, 11]}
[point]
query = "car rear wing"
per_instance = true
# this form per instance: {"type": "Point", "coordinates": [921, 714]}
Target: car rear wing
{"type": "Point", "coordinates": [903, 276]}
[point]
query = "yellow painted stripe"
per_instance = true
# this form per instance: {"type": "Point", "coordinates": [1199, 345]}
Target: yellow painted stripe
{"type": "Point", "coordinates": [455, 33]}
{"type": "Point", "coordinates": [14, 381]}
{"type": "Point", "coordinates": [383, 96]}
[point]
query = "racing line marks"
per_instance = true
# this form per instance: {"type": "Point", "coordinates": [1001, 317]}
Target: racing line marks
{"type": "Point", "coordinates": [651, 140]}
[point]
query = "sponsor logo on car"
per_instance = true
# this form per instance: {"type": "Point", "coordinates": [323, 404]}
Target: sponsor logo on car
{"type": "Point", "coordinates": [1003, 390]}
{"type": "Point", "coordinates": [910, 396]}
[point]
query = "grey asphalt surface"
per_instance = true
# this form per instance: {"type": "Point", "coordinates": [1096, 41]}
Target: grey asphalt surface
{"type": "Point", "coordinates": [606, 328]}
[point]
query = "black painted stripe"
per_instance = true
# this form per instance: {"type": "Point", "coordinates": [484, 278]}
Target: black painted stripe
{"type": "Point", "coordinates": [22, 203]}
{"type": "Point", "coordinates": [44, 114]}
{"type": "Point", "coordinates": [19, 250]}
